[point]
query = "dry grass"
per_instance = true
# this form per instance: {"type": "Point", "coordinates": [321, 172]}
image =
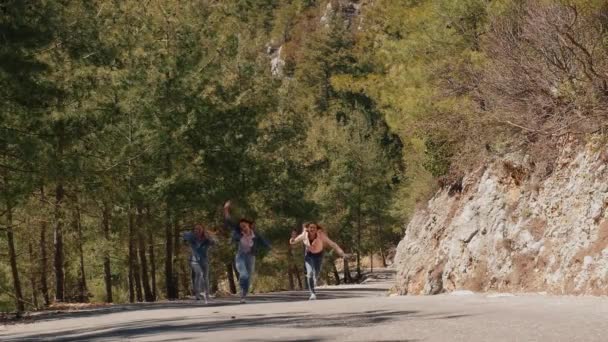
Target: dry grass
{"type": "Point", "coordinates": [75, 306]}
{"type": "Point", "coordinates": [516, 174]}
{"type": "Point", "coordinates": [546, 81]}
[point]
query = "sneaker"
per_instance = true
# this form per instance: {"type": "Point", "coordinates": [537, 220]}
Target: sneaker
{"type": "Point", "coordinates": [313, 297]}
{"type": "Point", "coordinates": [206, 299]}
{"type": "Point", "coordinates": [242, 300]}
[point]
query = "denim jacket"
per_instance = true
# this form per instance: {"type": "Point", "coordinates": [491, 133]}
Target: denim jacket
{"type": "Point", "coordinates": [259, 242]}
{"type": "Point", "coordinates": [199, 247]}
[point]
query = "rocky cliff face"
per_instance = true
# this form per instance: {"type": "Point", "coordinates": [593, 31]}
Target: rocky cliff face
{"type": "Point", "coordinates": [511, 229]}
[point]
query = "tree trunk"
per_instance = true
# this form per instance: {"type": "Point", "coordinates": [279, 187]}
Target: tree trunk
{"type": "Point", "coordinates": [371, 262]}
{"type": "Point", "coordinates": [58, 233]}
{"type": "Point", "coordinates": [142, 257]}
{"type": "Point", "coordinates": [359, 234]}
{"type": "Point", "coordinates": [152, 267]}
{"type": "Point", "coordinates": [131, 278]}
{"type": "Point", "coordinates": [296, 260]}
{"type": "Point", "coordinates": [151, 253]}
{"type": "Point", "coordinates": [347, 278]}
{"type": "Point", "coordinates": [326, 277]}
{"type": "Point", "coordinates": [58, 245]}
{"type": "Point", "coordinates": [169, 276]}
{"type": "Point", "coordinates": [82, 281]}
{"type": "Point", "coordinates": [294, 271]}
{"type": "Point", "coordinates": [107, 271]}
{"type": "Point", "coordinates": [145, 280]}
{"type": "Point", "coordinates": [44, 255]}
{"type": "Point", "coordinates": [133, 262]}
{"type": "Point", "coordinates": [186, 277]}
{"type": "Point", "coordinates": [176, 259]}
{"type": "Point", "coordinates": [290, 276]}
{"type": "Point", "coordinates": [214, 283]}
{"type": "Point", "coordinates": [137, 278]}
{"type": "Point", "coordinates": [171, 290]}
{"type": "Point", "coordinates": [13, 255]}
{"type": "Point", "coordinates": [298, 277]}
{"type": "Point", "coordinates": [33, 276]}
{"type": "Point", "coordinates": [383, 256]}
{"type": "Point", "coordinates": [134, 270]}
{"type": "Point", "coordinates": [290, 268]}
{"type": "Point", "coordinates": [336, 274]}
{"type": "Point", "coordinates": [230, 275]}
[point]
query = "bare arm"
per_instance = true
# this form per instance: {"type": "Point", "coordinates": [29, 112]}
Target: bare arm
{"type": "Point", "coordinates": [293, 240]}
{"type": "Point", "coordinates": [227, 210]}
{"type": "Point", "coordinates": [228, 222]}
{"type": "Point", "coordinates": [333, 245]}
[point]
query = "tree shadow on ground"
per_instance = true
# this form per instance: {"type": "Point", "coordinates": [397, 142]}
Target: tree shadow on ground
{"type": "Point", "coordinates": [306, 339]}
{"type": "Point", "coordinates": [313, 339]}
{"type": "Point", "coordinates": [202, 324]}
{"type": "Point", "coordinates": [276, 297]}
{"type": "Point", "coordinates": [282, 339]}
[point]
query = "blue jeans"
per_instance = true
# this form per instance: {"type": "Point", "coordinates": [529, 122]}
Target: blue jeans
{"type": "Point", "coordinates": [245, 265]}
{"type": "Point", "coordinates": [201, 277]}
{"type": "Point", "coordinates": [312, 262]}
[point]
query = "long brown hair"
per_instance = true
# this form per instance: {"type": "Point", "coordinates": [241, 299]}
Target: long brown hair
{"type": "Point", "coordinates": [250, 222]}
{"type": "Point", "coordinates": [204, 230]}
{"type": "Point", "coordinates": [308, 224]}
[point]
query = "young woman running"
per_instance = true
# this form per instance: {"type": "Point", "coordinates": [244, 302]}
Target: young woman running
{"type": "Point", "coordinates": [314, 238]}
{"type": "Point", "coordinates": [199, 242]}
{"type": "Point", "coordinates": [248, 243]}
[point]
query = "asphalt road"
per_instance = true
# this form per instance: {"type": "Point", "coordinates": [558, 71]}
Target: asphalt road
{"type": "Point", "coordinates": [348, 313]}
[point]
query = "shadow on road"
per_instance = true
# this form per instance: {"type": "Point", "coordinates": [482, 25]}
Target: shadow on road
{"type": "Point", "coordinates": [191, 322]}
{"type": "Point", "coordinates": [276, 297]}
{"type": "Point", "coordinates": [312, 339]}
{"type": "Point", "coordinates": [195, 324]}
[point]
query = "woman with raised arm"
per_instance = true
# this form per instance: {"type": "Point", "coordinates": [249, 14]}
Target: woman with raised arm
{"type": "Point", "coordinates": [314, 238]}
{"type": "Point", "coordinates": [248, 243]}
{"type": "Point", "coordinates": [199, 242]}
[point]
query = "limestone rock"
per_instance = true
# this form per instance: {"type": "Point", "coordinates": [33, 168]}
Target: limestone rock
{"type": "Point", "coordinates": [513, 229]}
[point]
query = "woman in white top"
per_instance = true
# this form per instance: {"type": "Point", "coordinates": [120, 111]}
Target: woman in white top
{"type": "Point", "coordinates": [314, 238]}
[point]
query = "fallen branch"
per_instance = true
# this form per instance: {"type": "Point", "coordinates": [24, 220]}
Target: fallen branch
{"type": "Point", "coordinates": [523, 127]}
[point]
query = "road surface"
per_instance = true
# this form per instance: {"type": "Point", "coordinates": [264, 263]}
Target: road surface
{"type": "Point", "coordinates": [348, 313]}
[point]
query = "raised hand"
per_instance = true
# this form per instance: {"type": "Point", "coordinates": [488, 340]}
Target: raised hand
{"type": "Point", "coordinates": [294, 235]}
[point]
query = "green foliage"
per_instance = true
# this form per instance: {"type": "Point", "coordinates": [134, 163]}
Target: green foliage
{"type": "Point", "coordinates": [149, 116]}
